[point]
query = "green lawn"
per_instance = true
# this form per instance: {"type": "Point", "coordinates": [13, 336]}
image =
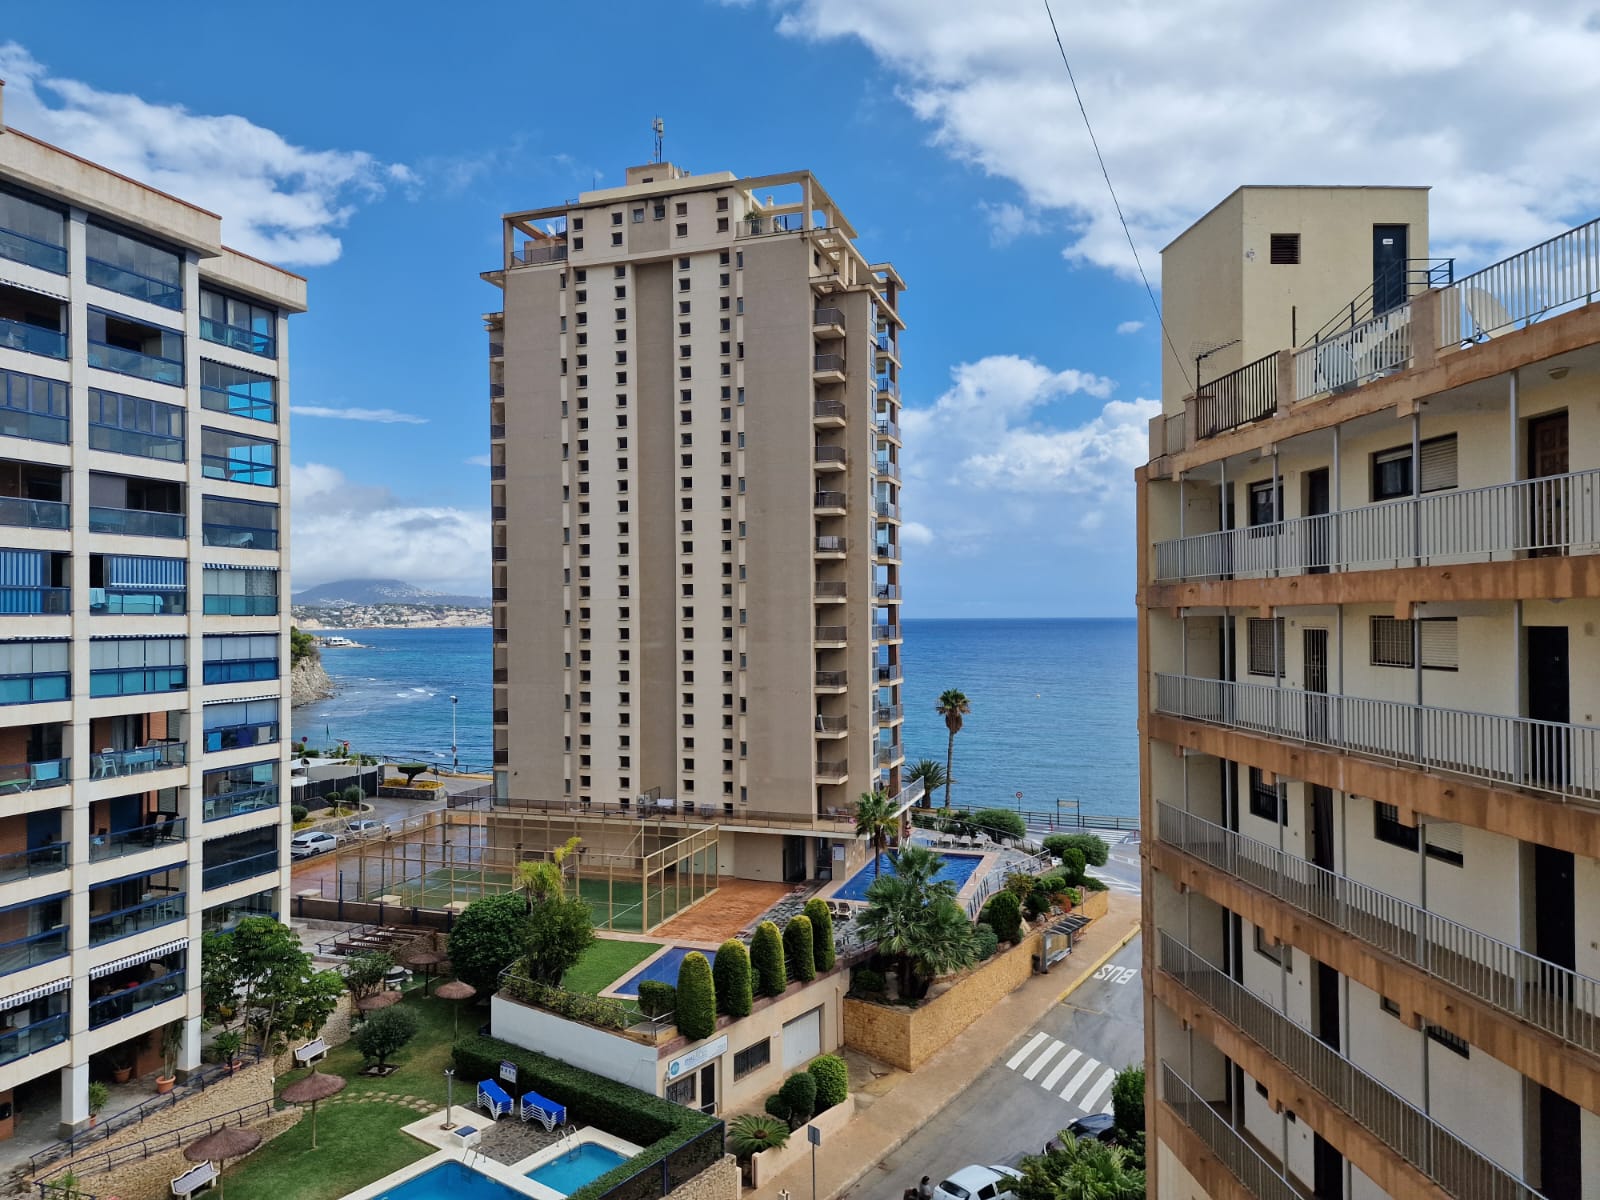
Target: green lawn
{"type": "Point", "coordinates": [605, 962]}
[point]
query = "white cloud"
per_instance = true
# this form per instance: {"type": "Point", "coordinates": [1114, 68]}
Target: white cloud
{"type": "Point", "coordinates": [344, 530]}
{"type": "Point", "coordinates": [477, 460]}
{"type": "Point", "coordinates": [1127, 327]}
{"type": "Point", "coordinates": [1496, 114]}
{"type": "Point", "coordinates": [279, 201]}
{"type": "Point", "coordinates": [1008, 222]}
{"type": "Point", "coordinates": [915, 533]}
{"type": "Point", "coordinates": [383, 416]}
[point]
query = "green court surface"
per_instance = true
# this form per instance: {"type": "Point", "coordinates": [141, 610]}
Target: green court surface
{"type": "Point", "coordinates": [615, 904]}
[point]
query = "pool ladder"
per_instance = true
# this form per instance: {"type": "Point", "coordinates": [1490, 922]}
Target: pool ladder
{"type": "Point", "coordinates": [569, 1131]}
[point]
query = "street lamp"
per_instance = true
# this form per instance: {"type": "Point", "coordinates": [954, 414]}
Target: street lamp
{"type": "Point", "coordinates": [450, 1098]}
{"type": "Point", "coordinates": [455, 761]}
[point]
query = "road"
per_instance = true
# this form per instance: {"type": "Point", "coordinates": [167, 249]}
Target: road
{"type": "Point", "coordinates": [1037, 1085]}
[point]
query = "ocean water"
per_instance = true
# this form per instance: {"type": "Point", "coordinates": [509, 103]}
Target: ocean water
{"type": "Point", "coordinates": [1053, 705]}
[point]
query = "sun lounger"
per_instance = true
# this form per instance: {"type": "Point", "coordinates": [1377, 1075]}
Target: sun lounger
{"type": "Point", "coordinates": [196, 1179]}
{"type": "Point", "coordinates": [547, 1112]}
{"type": "Point", "coordinates": [494, 1100]}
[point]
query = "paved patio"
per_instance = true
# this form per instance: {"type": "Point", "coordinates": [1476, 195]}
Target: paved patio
{"type": "Point", "coordinates": [734, 905]}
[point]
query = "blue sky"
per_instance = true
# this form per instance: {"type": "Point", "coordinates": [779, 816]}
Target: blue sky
{"type": "Point", "coordinates": [375, 155]}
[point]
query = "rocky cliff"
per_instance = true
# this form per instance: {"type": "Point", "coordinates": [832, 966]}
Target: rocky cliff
{"type": "Point", "coordinates": [308, 681]}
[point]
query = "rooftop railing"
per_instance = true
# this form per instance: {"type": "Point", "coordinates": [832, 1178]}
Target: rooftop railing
{"type": "Point", "coordinates": [1539, 756]}
{"type": "Point", "coordinates": [1373, 348]}
{"type": "Point", "coordinates": [1552, 998]}
{"type": "Point", "coordinates": [757, 225]}
{"type": "Point", "coordinates": [530, 256]}
{"type": "Point", "coordinates": [1552, 277]}
{"type": "Point", "coordinates": [1259, 1177]}
{"type": "Point", "coordinates": [1237, 398]}
{"type": "Point", "coordinates": [1415, 1136]}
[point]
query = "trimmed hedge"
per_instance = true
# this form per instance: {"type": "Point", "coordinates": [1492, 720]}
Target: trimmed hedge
{"type": "Point", "coordinates": [821, 934]}
{"type": "Point", "coordinates": [730, 975]}
{"type": "Point", "coordinates": [657, 999]}
{"type": "Point", "coordinates": [657, 1125]}
{"type": "Point", "coordinates": [697, 997]}
{"type": "Point", "coordinates": [799, 1097]}
{"type": "Point", "coordinates": [602, 1011]}
{"type": "Point", "coordinates": [1093, 847]}
{"type": "Point", "coordinates": [799, 953]}
{"type": "Point", "coordinates": [1004, 915]}
{"type": "Point", "coordinates": [766, 959]}
{"type": "Point", "coordinates": [832, 1078]}
{"type": "Point", "coordinates": [1000, 822]}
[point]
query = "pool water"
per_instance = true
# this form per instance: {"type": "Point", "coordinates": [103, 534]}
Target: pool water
{"type": "Point", "coordinates": [583, 1164]}
{"type": "Point", "coordinates": [662, 970]}
{"type": "Point", "coordinates": [957, 869]}
{"type": "Point", "coordinates": [451, 1181]}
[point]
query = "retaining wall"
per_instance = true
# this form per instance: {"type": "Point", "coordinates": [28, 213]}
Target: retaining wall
{"type": "Point", "coordinates": [769, 1164]}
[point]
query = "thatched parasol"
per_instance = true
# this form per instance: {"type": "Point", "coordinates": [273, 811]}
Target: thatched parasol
{"type": "Point", "coordinates": [220, 1145]}
{"type": "Point", "coordinates": [456, 990]}
{"type": "Point", "coordinates": [377, 1000]}
{"type": "Point", "coordinates": [315, 1086]}
{"type": "Point", "coordinates": [424, 961]}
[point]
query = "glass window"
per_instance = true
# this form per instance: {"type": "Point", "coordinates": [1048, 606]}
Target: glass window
{"type": "Point", "coordinates": [133, 666]}
{"type": "Point", "coordinates": [34, 671]}
{"type": "Point", "coordinates": [229, 321]}
{"type": "Point", "coordinates": [33, 233]}
{"type": "Point", "coordinates": [240, 657]}
{"type": "Point", "coordinates": [133, 267]}
{"type": "Point", "coordinates": [1266, 645]}
{"type": "Point", "coordinates": [232, 724]}
{"type": "Point", "coordinates": [1268, 800]}
{"type": "Point", "coordinates": [131, 347]}
{"type": "Point", "coordinates": [238, 392]}
{"type": "Point", "coordinates": [34, 408]}
{"type": "Point", "coordinates": [238, 458]}
{"type": "Point", "coordinates": [245, 524]}
{"type": "Point", "coordinates": [241, 593]}
{"type": "Point", "coordinates": [1386, 827]}
{"type": "Point", "coordinates": [133, 425]}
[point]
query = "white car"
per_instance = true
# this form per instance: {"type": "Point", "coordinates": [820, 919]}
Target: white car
{"type": "Point", "coordinates": [977, 1183]}
{"type": "Point", "coordinates": [304, 845]}
{"type": "Point", "coordinates": [366, 829]}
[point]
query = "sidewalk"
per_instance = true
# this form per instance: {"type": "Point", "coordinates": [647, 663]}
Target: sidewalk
{"type": "Point", "coordinates": [882, 1126]}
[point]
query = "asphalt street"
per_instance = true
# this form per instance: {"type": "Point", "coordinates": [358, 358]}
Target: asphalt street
{"type": "Point", "coordinates": [1050, 1075]}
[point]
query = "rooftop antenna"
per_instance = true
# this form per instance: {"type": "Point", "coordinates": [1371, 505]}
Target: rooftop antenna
{"type": "Point", "coordinates": [659, 128]}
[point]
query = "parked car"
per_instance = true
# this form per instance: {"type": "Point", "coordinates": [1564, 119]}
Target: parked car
{"type": "Point", "coordinates": [1101, 1126]}
{"type": "Point", "coordinates": [977, 1183]}
{"type": "Point", "coordinates": [366, 829]}
{"type": "Point", "coordinates": [304, 845]}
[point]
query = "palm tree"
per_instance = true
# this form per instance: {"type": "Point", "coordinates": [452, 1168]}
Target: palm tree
{"type": "Point", "coordinates": [917, 923]}
{"type": "Point", "coordinates": [931, 772]}
{"type": "Point", "coordinates": [953, 705]}
{"type": "Point", "coordinates": [545, 879]}
{"type": "Point", "coordinates": [875, 817]}
{"type": "Point", "coordinates": [1081, 1169]}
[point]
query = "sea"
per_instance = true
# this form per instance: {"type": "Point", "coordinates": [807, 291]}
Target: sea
{"type": "Point", "coordinates": [1053, 706]}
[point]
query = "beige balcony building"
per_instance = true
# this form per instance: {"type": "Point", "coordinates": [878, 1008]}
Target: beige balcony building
{"type": "Point", "coordinates": [1369, 596]}
{"type": "Point", "coordinates": [695, 463]}
{"type": "Point", "coordinates": [143, 630]}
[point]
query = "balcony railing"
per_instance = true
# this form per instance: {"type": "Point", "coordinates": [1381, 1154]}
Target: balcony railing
{"type": "Point", "coordinates": [831, 679]}
{"type": "Point", "coordinates": [134, 362]}
{"type": "Point", "coordinates": [137, 681]}
{"type": "Point", "coordinates": [829, 454]}
{"type": "Point", "coordinates": [232, 604]}
{"type": "Point", "coordinates": [827, 316]}
{"type": "Point", "coordinates": [139, 286]}
{"type": "Point", "coordinates": [886, 551]}
{"type": "Point", "coordinates": [831, 544]}
{"type": "Point", "coordinates": [30, 1039]}
{"type": "Point", "coordinates": [889, 754]}
{"type": "Point", "coordinates": [832, 770]}
{"type": "Point", "coordinates": [889, 672]}
{"type": "Point", "coordinates": [239, 537]}
{"type": "Point", "coordinates": [41, 860]}
{"type": "Point", "coordinates": [35, 601]}
{"type": "Point", "coordinates": [832, 589]}
{"type": "Point", "coordinates": [31, 776]}
{"type": "Point", "coordinates": [121, 842]}
{"type": "Point", "coordinates": [35, 252]}
{"type": "Point", "coordinates": [115, 440]}
{"type": "Point", "coordinates": [136, 522]}
{"type": "Point", "coordinates": [828, 500]}
{"type": "Point", "coordinates": [1504, 521]}
{"type": "Point", "coordinates": [139, 603]}
{"type": "Point", "coordinates": [1552, 998]}
{"type": "Point", "coordinates": [887, 509]}
{"type": "Point", "coordinates": [34, 514]}
{"type": "Point", "coordinates": [886, 633]}
{"type": "Point", "coordinates": [113, 764]}
{"type": "Point", "coordinates": [888, 428]}
{"type": "Point", "coordinates": [1419, 1139]}
{"type": "Point", "coordinates": [30, 951]}
{"type": "Point", "coordinates": [1540, 756]}
{"type": "Point", "coordinates": [886, 591]}
{"type": "Point", "coordinates": [1259, 1177]}
{"type": "Point", "coordinates": [128, 1001]}
{"type": "Point", "coordinates": [125, 922]}
{"type": "Point", "coordinates": [246, 800]}
{"type": "Point", "coordinates": [224, 873]}
{"type": "Point", "coordinates": [757, 225]}
{"type": "Point", "coordinates": [1373, 348]}
{"type": "Point", "coordinates": [32, 339]}
{"type": "Point", "coordinates": [831, 724]}
{"type": "Point", "coordinates": [827, 362]}
{"type": "Point", "coordinates": [1542, 280]}
{"type": "Point", "coordinates": [251, 341]}
{"type": "Point", "coordinates": [827, 409]}
{"type": "Point", "coordinates": [887, 468]}
{"type": "Point", "coordinates": [36, 427]}
{"type": "Point", "coordinates": [889, 713]}
{"type": "Point", "coordinates": [885, 385]}
{"type": "Point", "coordinates": [832, 633]}
{"type": "Point", "coordinates": [1237, 398]}
{"type": "Point", "coordinates": [234, 737]}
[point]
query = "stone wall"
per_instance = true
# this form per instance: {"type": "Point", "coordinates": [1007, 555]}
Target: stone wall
{"type": "Point", "coordinates": [908, 1037]}
{"type": "Point", "coordinates": [719, 1181]}
{"type": "Point", "coordinates": [769, 1164]}
{"type": "Point", "coordinates": [1095, 905]}
{"type": "Point", "coordinates": [151, 1178]}
{"type": "Point", "coordinates": [336, 1032]}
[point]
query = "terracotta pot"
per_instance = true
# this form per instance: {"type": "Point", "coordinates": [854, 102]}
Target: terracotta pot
{"type": "Point", "coordinates": [121, 1074]}
{"type": "Point", "coordinates": [164, 1084]}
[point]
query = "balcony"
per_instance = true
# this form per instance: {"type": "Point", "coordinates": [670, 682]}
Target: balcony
{"type": "Point", "coordinates": [886, 593]}
{"type": "Point", "coordinates": [125, 922]}
{"type": "Point", "coordinates": [831, 545]}
{"type": "Point", "coordinates": [116, 602]}
{"type": "Point", "coordinates": [831, 726]}
{"type": "Point", "coordinates": [887, 756]}
{"type": "Point", "coordinates": [1555, 514]}
{"type": "Point", "coordinates": [223, 873]}
{"type": "Point", "coordinates": [828, 681]}
{"type": "Point", "coordinates": [827, 368]}
{"type": "Point", "coordinates": [113, 439]}
{"type": "Point", "coordinates": [828, 458]}
{"type": "Point", "coordinates": [890, 673]}
{"type": "Point", "coordinates": [35, 601]}
{"type": "Point", "coordinates": [887, 387]}
{"type": "Point", "coordinates": [886, 468]}
{"type": "Point", "coordinates": [888, 714]}
{"type": "Point", "coordinates": [36, 687]}
{"type": "Point", "coordinates": [47, 252]}
{"type": "Point", "coordinates": [119, 843]}
{"type": "Point", "coordinates": [245, 800]}
{"type": "Point", "coordinates": [1561, 1002]}
{"type": "Point", "coordinates": [30, 951]}
{"type": "Point", "coordinates": [237, 737]}
{"type": "Point", "coordinates": [831, 635]}
{"type": "Point", "coordinates": [41, 860]}
{"type": "Point", "coordinates": [116, 764]}
{"type": "Point", "coordinates": [232, 604]}
{"type": "Point", "coordinates": [886, 633]}
{"type": "Point", "coordinates": [829, 590]}
{"type": "Point", "coordinates": [162, 292]}
{"type": "Point", "coordinates": [886, 552]}
{"type": "Point", "coordinates": [824, 412]}
{"type": "Point", "coordinates": [34, 776]}
{"type": "Point", "coordinates": [832, 503]}
{"type": "Point", "coordinates": [533, 254]}
{"type": "Point", "coordinates": [136, 522]}
{"type": "Point", "coordinates": [1421, 1141]}
{"type": "Point", "coordinates": [129, 1001]}
{"type": "Point", "coordinates": [30, 1039]}
{"type": "Point", "coordinates": [886, 510]}
{"type": "Point", "coordinates": [1537, 756]}
{"type": "Point", "coordinates": [34, 514]}
{"type": "Point", "coordinates": [761, 225]}
{"type": "Point", "coordinates": [134, 268]}
{"type": "Point", "coordinates": [137, 681]}
{"type": "Point", "coordinates": [888, 428]}
{"type": "Point", "coordinates": [1237, 398]}
{"type": "Point", "coordinates": [832, 772]}
{"type": "Point", "coordinates": [827, 323]}
{"type": "Point", "coordinates": [123, 360]}
{"type": "Point", "coordinates": [1258, 1177]}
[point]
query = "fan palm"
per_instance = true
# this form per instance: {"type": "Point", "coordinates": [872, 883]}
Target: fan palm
{"type": "Point", "coordinates": [953, 705]}
{"type": "Point", "coordinates": [932, 775]}
{"type": "Point", "coordinates": [875, 817]}
{"type": "Point", "coordinates": [918, 924]}
{"type": "Point", "coordinates": [1080, 1169]}
{"type": "Point", "coordinates": [751, 1133]}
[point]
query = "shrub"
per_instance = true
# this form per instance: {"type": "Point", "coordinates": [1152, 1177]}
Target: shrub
{"type": "Point", "coordinates": [1020, 885]}
{"type": "Point", "coordinates": [1072, 865]}
{"type": "Point", "coordinates": [384, 1032]}
{"type": "Point", "coordinates": [410, 770]}
{"type": "Point", "coordinates": [1035, 905]}
{"type": "Point", "coordinates": [1090, 884]}
{"type": "Point", "coordinates": [832, 1078]}
{"type": "Point", "coordinates": [766, 960]}
{"type": "Point", "coordinates": [798, 952]}
{"type": "Point", "coordinates": [730, 975]}
{"type": "Point", "coordinates": [1004, 915]}
{"type": "Point", "coordinates": [984, 942]}
{"type": "Point", "coordinates": [867, 981]}
{"type": "Point", "coordinates": [751, 1133]}
{"type": "Point", "coordinates": [1092, 845]}
{"type": "Point", "coordinates": [556, 932]}
{"type": "Point", "coordinates": [999, 823]}
{"type": "Point", "coordinates": [1074, 896]}
{"type": "Point", "coordinates": [775, 1107]}
{"type": "Point", "coordinates": [821, 934]}
{"type": "Point", "coordinates": [1127, 1101]}
{"type": "Point", "coordinates": [298, 813]}
{"type": "Point", "coordinates": [697, 998]}
{"type": "Point", "coordinates": [601, 1011]}
{"type": "Point", "coordinates": [487, 938]}
{"type": "Point", "coordinates": [657, 999]}
{"type": "Point", "coordinates": [1052, 885]}
{"type": "Point", "coordinates": [799, 1095]}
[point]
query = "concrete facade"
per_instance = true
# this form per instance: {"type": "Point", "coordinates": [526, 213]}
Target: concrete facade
{"type": "Point", "coordinates": [144, 502]}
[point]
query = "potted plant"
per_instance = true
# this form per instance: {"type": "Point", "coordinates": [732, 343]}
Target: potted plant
{"type": "Point", "coordinates": [121, 1066]}
{"type": "Point", "coordinates": [227, 1045]}
{"type": "Point", "coordinates": [171, 1043]}
{"type": "Point", "coordinates": [99, 1093]}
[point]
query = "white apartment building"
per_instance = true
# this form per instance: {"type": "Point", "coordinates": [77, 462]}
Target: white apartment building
{"type": "Point", "coordinates": [144, 618]}
{"type": "Point", "coordinates": [1369, 602]}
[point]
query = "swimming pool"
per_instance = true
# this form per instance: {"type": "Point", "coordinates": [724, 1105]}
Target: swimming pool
{"type": "Point", "coordinates": [663, 969]}
{"type": "Point", "coordinates": [452, 1181]}
{"type": "Point", "coordinates": [574, 1168]}
{"type": "Point", "coordinates": [957, 869]}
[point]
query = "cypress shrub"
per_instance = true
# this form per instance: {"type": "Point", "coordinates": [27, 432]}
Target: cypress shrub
{"type": "Point", "coordinates": [657, 999]}
{"type": "Point", "coordinates": [832, 1078]}
{"type": "Point", "coordinates": [798, 950]}
{"type": "Point", "coordinates": [1004, 915]}
{"type": "Point", "coordinates": [984, 942]}
{"type": "Point", "coordinates": [766, 960]}
{"type": "Point", "coordinates": [821, 934]}
{"type": "Point", "coordinates": [697, 998]}
{"type": "Point", "coordinates": [730, 973]}
{"type": "Point", "coordinates": [799, 1096]}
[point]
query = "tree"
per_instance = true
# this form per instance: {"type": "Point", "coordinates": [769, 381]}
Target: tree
{"type": "Point", "coordinates": [918, 923]}
{"type": "Point", "coordinates": [751, 1133]}
{"type": "Point", "coordinates": [821, 919]}
{"type": "Point", "coordinates": [953, 705]}
{"type": "Point", "coordinates": [1080, 1169]}
{"type": "Point", "coordinates": [556, 933]}
{"type": "Point", "coordinates": [365, 973]}
{"type": "Point", "coordinates": [730, 975]}
{"type": "Point", "coordinates": [1127, 1102]}
{"type": "Point", "coordinates": [1072, 865]}
{"type": "Point", "coordinates": [539, 880]}
{"type": "Point", "coordinates": [931, 772]}
{"type": "Point", "coordinates": [259, 976]}
{"type": "Point", "coordinates": [799, 952]}
{"type": "Point", "coordinates": [832, 1079]}
{"type": "Point", "coordinates": [1000, 823]}
{"type": "Point", "coordinates": [411, 770]}
{"type": "Point", "coordinates": [384, 1032]}
{"type": "Point", "coordinates": [799, 1097]}
{"type": "Point", "coordinates": [766, 959]}
{"type": "Point", "coordinates": [1004, 915]}
{"type": "Point", "coordinates": [875, 820]}
{"type": "Point", "coordinates": [488, 937]}
{"type": "Point", "coordinates": [301, 645]}
{"type": "Point", "coordinates": [1092, 845]}
{"type": "Point", "coordinates": [697, 997]}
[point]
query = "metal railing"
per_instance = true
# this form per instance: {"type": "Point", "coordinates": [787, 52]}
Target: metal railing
{"type": "Point", "coordinates": [831, 679]}
{"type": "Point", "coordinates": [1540, 756]}
{"type": "Point", "coordinates": [171, 1139]}
{"type": "Point", "coordinates": [1502, 521]}
{"type": "Point", "coordinates": [32, 339]}
{"type": "Point", "coordinates": [828, 500]}
{"type": "Point", "coordinates": [827, 316]}
{"type": "Point", "coordinates": [887, 468]}
{"type": "Point", "coordinates": [1371, 349]}
{"type": "Point", "coordinates": [888, 428]}
{"type": "Point", "coordinates": [1415, 1136]}
{"type": "Point", "coordinates": [827, 362]}
{"type": "Point", "coordinates": [829, 408]}
{"type": "Point", "coordinates": [120, 842]}
{"type": "Point", "coordinates": [1552, 998]}
{"type": "Point", "coordinates": [831, 544]}
{"type": "Point", "coordinates": [1551, 277]}
{"type": "Point", "coordinates": [1399, 282]}
{"type": "Point", "coordinates": [30, 951]}
{"type": "Point", "coordinates": [123, 361]}
{"type": "Point", "coordinates": [1237, 398]}
{"type": "Point", "coordinates": [109, 764]}
{"type": "Point", "coordinates": [829, 454]}
{"type": "Point", "coordinates": [533, 255]}
{"type": "Point", "coordinates": [886, 591]}
{"type": "Point", "coordinates": [886, 551]}
{"type": "Point", "coordinates": [1259, 1177]}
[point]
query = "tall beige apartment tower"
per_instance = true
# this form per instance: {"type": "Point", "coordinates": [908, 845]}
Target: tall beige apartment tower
{"type": "Point", "coordinates": [144, 623]}
{"type": "Point", "coordinates": [695, 463]}
{"type": "Point", "coordinates": [1369, 603]}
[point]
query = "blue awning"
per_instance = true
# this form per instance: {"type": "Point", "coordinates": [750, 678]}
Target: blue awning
{"type": "Point", "coordinates": [21, 568]}
{"type": "Point", "coordinates": [126, 572]}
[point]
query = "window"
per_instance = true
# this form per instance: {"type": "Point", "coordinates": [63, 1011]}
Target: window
{"type": "Point", "coordinates": [1386, 827]}
{"type": "Point", "coordinates": [34, 671]}
{"type": "Point", "coordinates": [238, 458]}
{"type": "Point", "coordinates": [238, 392]}
{"type": "Point", "coordinates": [243, 524]}
{"type": "Point", "coordinates": [1394, 642]}
{"type": "Point", "coordinates": [1268, 800]}
{"type": "Point", "coordinates": [616, 218]}
{"type": "Point", "coordinates": [136, 585]}
{"type": "Point", "coordinates": [1285, 250]}
{"type": "Point", "coordinates": [1279, 954]}
{"type": "Point", "coordinates": [33, 232]}
{"type": "Point", "coordinates": [132, 425]}
{"type": "Point", "coordinates": [681, 1091]}
{"type": "Point", "coordinates": [1389, 1006]}
{"type": "Point", "coordinates": [1443, 842]}
{"type": "Point", "coordinates": [31, 406]}
{"type": "Point", "coordinates": [135, 666]}
{"type": "Point", "coordinates": [133, 267]}
{"type": "Point", "coordinates": [616, 239]}
{"type": "Point", "coordinates": [1391, 469]}
{"type": "Point", "coordinates": [240, 657]}
{"type": "Point", "coordinates": [137, 348]}
{"type": "Point", "coordinates": [241, 592]}
{"type": "Point", "coordinates": [1262, 509]}
{"type": "Point", "coordinates": [1265, 638]}
{"type": "Point", "coordinates": [1448, 1040]}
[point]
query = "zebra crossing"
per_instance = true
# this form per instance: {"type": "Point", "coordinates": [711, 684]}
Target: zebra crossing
{"type": "Point", "coordinates": [1071, 1074]}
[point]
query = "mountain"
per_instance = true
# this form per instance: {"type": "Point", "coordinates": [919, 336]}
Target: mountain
{"type": "Point", "coordinates": [380, 591]}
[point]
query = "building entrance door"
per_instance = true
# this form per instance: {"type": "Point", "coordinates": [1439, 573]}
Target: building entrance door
{"type": "Point", "coordinates": [1547, 456]}
{"type": "Point", "coordinates": [1317, 539]}
{"type": "Point", "coordinates": [1388, 267]}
